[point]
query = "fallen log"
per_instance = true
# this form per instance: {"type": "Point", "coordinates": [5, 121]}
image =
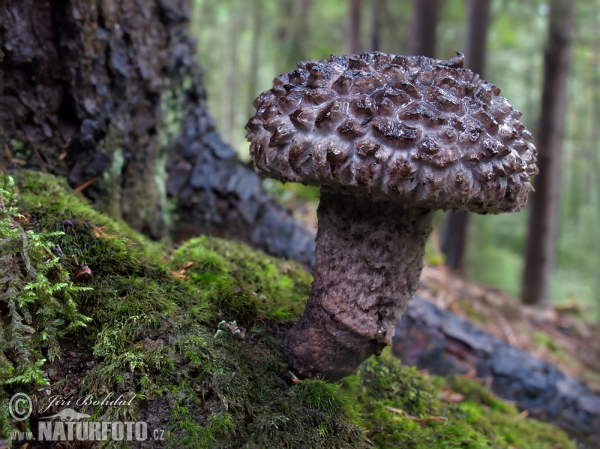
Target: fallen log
{"type": "Point", "coordinates": [441, 342]}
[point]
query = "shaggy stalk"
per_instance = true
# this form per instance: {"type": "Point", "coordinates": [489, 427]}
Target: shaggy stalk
{"type": "Point", "coordinates": [369, 259]}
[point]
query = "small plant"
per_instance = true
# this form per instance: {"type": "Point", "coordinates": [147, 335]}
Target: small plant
{"type": "Point", "coordinates": [36, 293]}
{"type": "Point", "coordinates": [232, 327]}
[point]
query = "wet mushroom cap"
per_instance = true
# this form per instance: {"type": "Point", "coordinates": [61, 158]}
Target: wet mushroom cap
{"type": "Point", "coordinates": [420, 130]}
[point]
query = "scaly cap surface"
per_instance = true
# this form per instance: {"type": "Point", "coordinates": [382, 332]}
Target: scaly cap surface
{"type": "Point", "coordinates": [423, 131]}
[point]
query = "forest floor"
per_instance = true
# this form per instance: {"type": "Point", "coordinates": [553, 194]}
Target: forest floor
{"type": "Point", "coordinates": [556, 334]}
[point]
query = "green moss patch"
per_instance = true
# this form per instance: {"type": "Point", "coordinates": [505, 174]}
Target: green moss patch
{"type": "Point", "coordinates": [404, 408]}
{"type": "Point", "coordinates": [90, 308]}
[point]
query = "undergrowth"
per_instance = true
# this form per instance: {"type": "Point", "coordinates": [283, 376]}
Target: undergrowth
{"type": "Point", "coordinates": [158, 329]}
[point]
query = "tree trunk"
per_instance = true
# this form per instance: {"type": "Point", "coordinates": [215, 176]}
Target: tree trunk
{"type": "Point", "coordinates": [353, 29]}
{"type": "Point", "coordinates": [595, 141]}
{"type": "Point", "coordinates": [423, 34]}
{"type": "Point", "coordinates": [541, 241]}
{"type": "Point", "coordinates": [293, 33]}
{"type": "Point", "coordinates": [254, 56]}
{"type": "Point", "coordinates": [109, 92]}
{"type": "Point", "coordinates": [375, 27]}
{"type": "Point", "coordinates": [230, 68]}
{"type": "Point", "coordinates": [454, 231]}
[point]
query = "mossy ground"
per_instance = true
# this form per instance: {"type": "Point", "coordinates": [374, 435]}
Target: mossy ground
{"type": "Point", "coordinates": [145, 326]}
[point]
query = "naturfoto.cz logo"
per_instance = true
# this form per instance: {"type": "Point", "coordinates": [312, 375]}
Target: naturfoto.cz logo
{"type": "Point", "coordinates": [70, 425]}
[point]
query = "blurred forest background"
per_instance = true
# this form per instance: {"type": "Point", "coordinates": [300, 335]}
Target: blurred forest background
{"type": "Point", "coordinates": [243, 44]}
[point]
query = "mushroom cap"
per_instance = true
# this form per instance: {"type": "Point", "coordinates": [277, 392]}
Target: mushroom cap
{"type": "Point", "coordinates": [417, 130]}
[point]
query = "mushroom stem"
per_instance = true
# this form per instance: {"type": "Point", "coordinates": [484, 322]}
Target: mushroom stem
{"type": "Point", "coordinates": [369, 257]}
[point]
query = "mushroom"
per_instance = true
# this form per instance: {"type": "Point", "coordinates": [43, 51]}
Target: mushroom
{"type": "Point", "coordinates": [389, 139]}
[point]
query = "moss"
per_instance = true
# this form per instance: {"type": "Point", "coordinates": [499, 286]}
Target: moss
{"type": "Point", "coordinates": [242, 284]}
{"type": "Point", "coordinates": [397, 404]}
{"type": "Point", "coordinates": [151, 336]}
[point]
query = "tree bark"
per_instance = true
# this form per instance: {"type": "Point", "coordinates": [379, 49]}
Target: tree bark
{"type": "Point", "coordinates": [109, 91]}
{"type": "Point", "coordinates": [423, 34]}
{"type": "Point", "coordinates": [454, 231]}
{"type": "Point", "coordinates": [353, 28]}
{"type": "Point", "coordinates": [543, 218]}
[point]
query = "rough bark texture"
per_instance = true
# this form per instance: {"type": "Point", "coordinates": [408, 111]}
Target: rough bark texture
{"type": "Point", "coordinates": [219, 196]}
{"type": "Point", "coordinates": [426, 15]}
{"type": "Point", "coordinates": [109, 90]}
{"type": "Point", "coordinates": [541, 240]}
{"type": "Point", "coordinates": [369, 259]}
{"type": "Point", "coordinates": [81, 94]}
{"type": "Point", "coordinates": [454, 232]}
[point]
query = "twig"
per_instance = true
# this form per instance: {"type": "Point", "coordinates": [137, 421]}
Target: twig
{"type": "Point", "coordinates": [85, 185]}
{"type": "Point", "coordinates": [395, 410]}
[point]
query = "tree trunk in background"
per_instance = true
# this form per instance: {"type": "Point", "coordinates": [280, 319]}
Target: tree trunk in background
{"type": "Point", "coordinates": [110, 91]}
{"type": "Point", "coordinates": [454, 231]}
{"type": "Point", "coordinates": [353, 44]}
{"type": "Point", "coordinates": [254, 56]}
{"type": "Point", "coordinates": [426, 14]}
{"type": "Point", "coordinates": [541, 240]}
{"type": "Point", "coordinates": [294, 32]}
{"type": "Point", "coordinates": [81, 97]}
{"type": "Point", "coordinates": [229, 93]}
{"type": "Point", "coordinates": [595, 142]}
{"type": "Point", "coordinates": [375, 27]}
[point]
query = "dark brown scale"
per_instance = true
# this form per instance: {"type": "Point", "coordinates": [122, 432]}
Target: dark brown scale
{"type": "Point", "coordinates": [335, 155]}
{"type": "Point", "coordinates": [420, 112]}
{"type": "Point", "coordinates": [263, 100]}
{"type": "Point", "coordinates": [329, 116]}
{"type": "Point", "coordinates": [290, 102]}
{"type": "Point", "coordinates": [380, 60]}
{"type": "Point", "coordinates": [396, 132]}
{"type": "Point", "coordinates": [343, 85]}
{"type": "Point", "coordinates": [357, 63]}
{"type": "Point", "coordinates": [298, 76]}
{"type": "Point", "coordinates": [318, 96]}
{"type": "Point", "coordinates": [491, 147]}
{"type": "Point", "coordinates": [304, 118]}
{"type": "Point", "coordinates": [385, 106]}
{"type": "Point", "coordinates": [363, 106]}
{"type": "Point", "coordinates": [283, 134]}
{"type": "Point", "coordinates": [411, 89]}
{"type": "Point", "coordinates": [396, 96]}
{"type": "Point", "coordinates": [321, 76]}
{"type": "Point", "coordinates": [487, 119]}
{"type": "Point", "coordinates": [442, 99]}
{"type": "Point", "coordinates": [299, 153]}
{"type": "Point", "coordinates": [351, 129]}
{"type": "Point", "coordinates": [368, 82]}
{"type": "Point", "coordinates": [366, 147]}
